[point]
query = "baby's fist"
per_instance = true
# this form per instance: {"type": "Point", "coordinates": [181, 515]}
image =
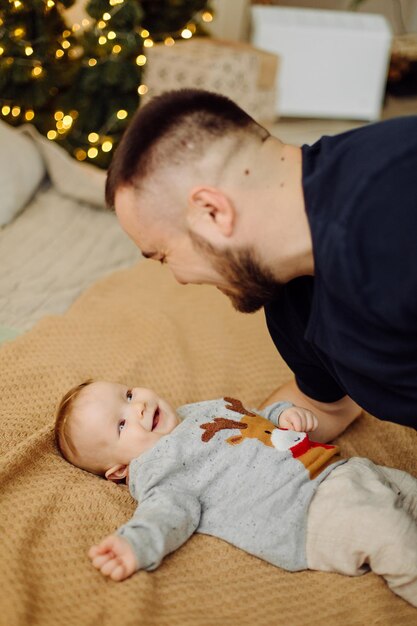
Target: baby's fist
{"type": "Point", "coordinates": [299, 419]}
{"type": "Point", "coordinates": [114, 557]}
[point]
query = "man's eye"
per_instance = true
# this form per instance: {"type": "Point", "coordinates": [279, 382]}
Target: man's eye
{"type": "Point", "coordinates": [129, 395]}
{"type": "Point", "coordinates": [121, 425]}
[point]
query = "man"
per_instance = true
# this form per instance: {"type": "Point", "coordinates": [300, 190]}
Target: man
{"type": "Point", "coordinates": [324, 237]}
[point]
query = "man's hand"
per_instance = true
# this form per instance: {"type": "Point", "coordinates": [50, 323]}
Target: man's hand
{"type": "Point", "coordinates": [114, 557]}
{"type": "Point", "coordinates": [296, 418]}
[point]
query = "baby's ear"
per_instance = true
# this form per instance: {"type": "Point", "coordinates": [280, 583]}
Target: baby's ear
{"type": "Point", "coordinates": [117, 473]}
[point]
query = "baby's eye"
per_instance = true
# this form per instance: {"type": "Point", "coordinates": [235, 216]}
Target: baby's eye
{"type": "Point", "coordinates": [121, 425]}
{"type": "Point", "coordinates": [129, 395]}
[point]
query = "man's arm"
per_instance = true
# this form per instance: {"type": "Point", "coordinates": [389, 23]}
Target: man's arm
{"type": "Point", "coordinates": [333, 417]}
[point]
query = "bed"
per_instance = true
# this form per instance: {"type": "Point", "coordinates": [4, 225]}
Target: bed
{"type": "Point", "coordinates": [110, 315]}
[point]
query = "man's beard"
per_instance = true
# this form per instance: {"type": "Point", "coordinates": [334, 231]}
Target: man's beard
{"type": "Point", "coordinates": [250, 286]}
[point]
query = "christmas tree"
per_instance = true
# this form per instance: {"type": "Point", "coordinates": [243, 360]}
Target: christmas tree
{"type": "Point", "coordinates": [81, 86]}
{"type": "Point", "coordinates": [37, 58]}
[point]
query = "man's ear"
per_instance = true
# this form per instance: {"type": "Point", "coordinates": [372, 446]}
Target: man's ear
{"type": "Point", "coordinates": [117, 473]}
{"type": "Point", "coordinates": [210, 211]}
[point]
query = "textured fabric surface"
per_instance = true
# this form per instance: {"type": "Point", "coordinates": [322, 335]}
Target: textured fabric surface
{"type": "Point", "coordinates": [140, 327]}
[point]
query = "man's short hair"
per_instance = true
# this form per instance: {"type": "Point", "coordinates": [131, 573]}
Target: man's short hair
{"type": "Point", "coordinates": [159, 133]}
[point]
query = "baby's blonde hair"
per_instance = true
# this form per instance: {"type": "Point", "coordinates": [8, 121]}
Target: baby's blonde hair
{"type": "Point", "coordinates": [63, 437]}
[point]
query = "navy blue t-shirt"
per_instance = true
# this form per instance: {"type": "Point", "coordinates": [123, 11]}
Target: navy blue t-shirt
{"type": "Point", "coordinates": [352, 329]}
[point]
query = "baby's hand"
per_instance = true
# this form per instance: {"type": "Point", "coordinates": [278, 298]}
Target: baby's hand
{"type": "Point", "coordinates": [296, 418]}
{"type": "Point", "coordinates": [114, 557]}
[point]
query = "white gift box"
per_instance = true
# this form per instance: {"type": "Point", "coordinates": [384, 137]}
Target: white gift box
{"type": "Point", "coordinates": [333, 63]}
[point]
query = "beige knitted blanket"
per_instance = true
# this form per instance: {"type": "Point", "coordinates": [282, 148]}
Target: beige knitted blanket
{"type": "Point", "coordinates": [140, 327]}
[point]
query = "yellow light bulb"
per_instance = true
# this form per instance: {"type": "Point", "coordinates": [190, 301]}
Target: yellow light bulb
{"type": "Point", "coordinates": [192, 28]}
{"type": "Point", "coordinates": [5, 109]}
{"type": "Point", "coordinates": [1, 50]}
{"type": "Point", "coordinates": [101, 24]}
{"type": "Point", "coordinates": [92, 62]}
{"type": "Point", "coordinates": [93, 137]}
{"type": "Point", "coordinates": [106, 16]}
{"type": "Point", "coordinates": [51, 134]}
{"type": "Point", "coordinates": [67, 121]}
{"type": "Point", "coordinates": [58, 115]}
{"type": "Point", "coordinates": [59, 53]}
{"type": "Point", "coordinates": [102, 40]}
{"type": "Point", "coordinates": [29, 115]}
{"type": "Point", "coordinates": [92, 153]}
{"type": "Point", "coordinates": [186, 33]}
{"type": "Point", "coordinates": [142, 89]}
{"type": "Point", "coordinates": [19, 32]}
{"type": "Point", "coordinates": [17, 4]}
{"type": "Point", "coordinates": [16, 111]}
{"type": "Point", "coordinates": [148, 43]}
{"type": "Point", "coordinates": [28, 51]}
{"type": "Point", "coordinates": [107, 146]}
{"type": "Point", "coordinates": [169, 41]}
{"type": "Point", "coordinates": [207, 16]}
{"type": "Point", "coordinates": [122, 114]}
{"type": "Point", "coordinates": [141, 59]}
{"type": "Point", "coordinates": [66, 33]}
{"type": "Point", "coordinates": [66, 44]}
{"type": "Point", "coordinates": [80, 154]}
{"type": "Point", "coordinates": [116, 49]}
{"type": "Point", "coordinates": [37, 71]}
{"type": "Point", "coordinates": [111, 34]}
{"type": "Point", "coordinates": [144, 33]}
{"type": "Point", "coordinates": [75, 27]}
{"type": "Point", "coordinates": [50, 4]}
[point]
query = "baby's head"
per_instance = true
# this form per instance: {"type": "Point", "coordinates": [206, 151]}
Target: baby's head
{"type": "Point", "coordinates": [101, 427]}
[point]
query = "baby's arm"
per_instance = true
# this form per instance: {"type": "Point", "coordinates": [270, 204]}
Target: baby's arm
{"type": "Point", "coordinates": [162, 522]}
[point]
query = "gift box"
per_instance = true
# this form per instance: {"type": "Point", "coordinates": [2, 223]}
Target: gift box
{"type": "Point", "coordinates": [237, 70]}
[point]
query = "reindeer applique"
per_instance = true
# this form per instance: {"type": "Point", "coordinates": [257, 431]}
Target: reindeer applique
{"type": "Point", "coordinates": [314, 456]}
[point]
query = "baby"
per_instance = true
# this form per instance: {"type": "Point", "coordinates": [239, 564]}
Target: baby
{"type": "Point", "coordinates": [252, 478]}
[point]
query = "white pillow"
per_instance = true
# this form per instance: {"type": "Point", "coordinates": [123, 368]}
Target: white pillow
{"type": "Point", "coordinates": [21, 171]}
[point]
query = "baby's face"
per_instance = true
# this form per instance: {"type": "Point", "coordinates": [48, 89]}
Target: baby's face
{"type": "Point", "coordinates": [113, 424]}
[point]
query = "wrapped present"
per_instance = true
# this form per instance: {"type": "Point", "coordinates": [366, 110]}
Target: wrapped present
{"type": "Point", "coordinates": [245, 74]}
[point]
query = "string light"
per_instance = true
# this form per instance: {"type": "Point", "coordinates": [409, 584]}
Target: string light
{"type": "Point", "coordinates": [93, 137]}
{"type": "Point", "coordinates": [66, 33]}
{"type": "Point", "coordinates": [85, 22]}
{"type": "Point", "coordinates": [92, 62]}
{"type": "Point", "coordinates": [1, 50]}
{"type": "Point", "coordinates": [59, 53]}
{"type": "Point", "coordinates": [111, 35]}
{"type": "Point", "coordinates": [16, 111]}
{"type": "Point", "coordinates": [80, 154]}
{"type": "Point", "coordinates": [67, 121]}
{"type": "Point", "coordinates": [169, 41]}
{"type": "Point", "coordinates": [148, 43]}
{"type": "Point", "coordinates": [17, 4]}
{"type": "Point", "coordinates": [50, 4]}
{"type": "Point", "coordinates": [5, 109]}
{"type": "Point", "coordinates": [51, 134]}
{"type": "Point", "coordinates": [66, 44]}
{"type": "Point", "coordinates": [102, 40]}
{"type": "Point", "coordinates": [37, 71]}
{"type": "Point", "coordinates": [92, 153]}
{"type": "Point", "coordinates": [144, 33]}
{"type": "Point", "coordinates": [141, 60]}
{"type": "Point", "coordinates": [116, 49]}
{"type": "Point", "coordinates": [142, 89]}
{"type": "Point", "coordinates": [101, 24]}
{"type": "Point", "coordinates": [122, 114]}
{"type": "Point", "coordinates": [28, 50]}
{"type": "Point", "coordinates": [106, 16]}
{"type": "Point", "coordinates": [207, 16]}
{"type": "Point", "coordinates": [18, 32]}
{"type": "Point", "coordinates": [107, 146]}
{"type": "Point", "coordinates": [75, 27]}
{"type": "Point", "coordinates": [58, 115]}
{"type": "Point", "coordinates": [29, 115]}
{"type": "Point", "coordinates": [186, 33]}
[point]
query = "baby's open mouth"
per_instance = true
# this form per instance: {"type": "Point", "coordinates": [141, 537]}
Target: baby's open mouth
{"type": "Point", "coordinates": [155, 418]}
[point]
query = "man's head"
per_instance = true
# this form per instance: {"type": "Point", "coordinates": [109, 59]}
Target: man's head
{"type": "Point", "coordinates": [186, 165]}
{"type": "Point", "coordinates": [101, 426]}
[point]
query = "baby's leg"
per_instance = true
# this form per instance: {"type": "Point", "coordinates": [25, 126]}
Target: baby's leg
{"type": "Point", "coordinates": [356, 523]}
{"type": "Point", "coordinates": [406, 485]}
